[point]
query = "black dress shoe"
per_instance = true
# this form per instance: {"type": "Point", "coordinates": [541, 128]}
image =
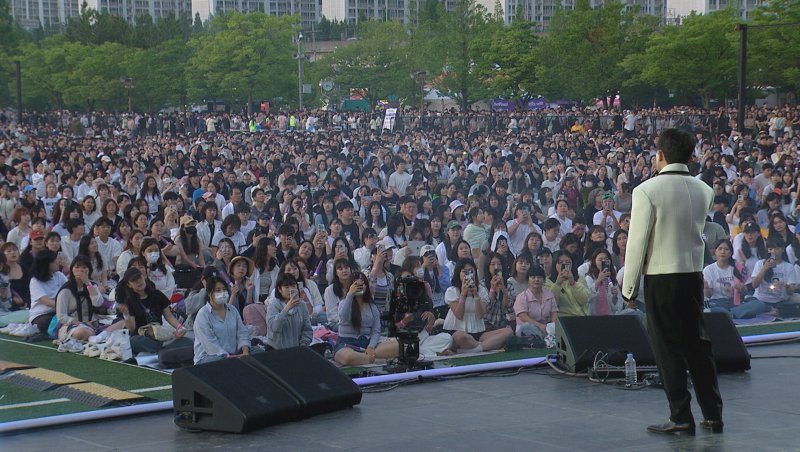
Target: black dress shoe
{"type": "Point", "coordinates": [673, 427]}
{"type": "Point", "coordinates": [714, 426]}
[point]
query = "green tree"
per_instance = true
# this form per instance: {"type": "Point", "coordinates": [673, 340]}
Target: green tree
{"type": "Point", "coordinates": [97, 27]}
{"type": "Point", "coordinates": [578, 59]}
{"type": "Point", "coordinates": [93, 75]}
{"type": "Point", "coordinates": [774, 53]}
{"type": "Point", "coordinates": [158, 75]}
{"type": "Point", "coordinates": [448, 45]}
{"type": "Point", "coordinates": [380, 62]}
{"type": "Point", "coordinates": [11, 37]}
{"type": "Point", "coordinates": [242, 55]}
{"type": "Point", "coordinates": [507, 61]}
{"type": "Point", "coordinates": [697, 58]}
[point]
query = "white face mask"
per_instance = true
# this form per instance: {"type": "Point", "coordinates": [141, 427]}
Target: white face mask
{"type": "Point", "coordinates": [221, 298]}
{"type": "Point", "coordinates": [152, 258]}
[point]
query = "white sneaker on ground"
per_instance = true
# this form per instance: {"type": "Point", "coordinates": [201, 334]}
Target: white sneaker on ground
{"type": "Point", "coordinates": [25, 330]}
{"type": "Point", "coordinates": [9, 328]}
{"type": "Point", "coordinates": [100, 338]}
{"type": "Point", "coordinates": [71, 345]}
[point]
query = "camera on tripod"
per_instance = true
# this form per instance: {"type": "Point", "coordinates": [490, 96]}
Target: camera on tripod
{"type": "Point", "coordinates": [406, 301]}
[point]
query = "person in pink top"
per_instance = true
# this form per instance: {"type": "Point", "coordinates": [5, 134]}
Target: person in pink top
{"type": "Point", "coordinates": [536, 308]}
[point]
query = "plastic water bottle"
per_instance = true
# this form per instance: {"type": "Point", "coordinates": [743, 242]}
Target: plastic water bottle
{"type": "Point", "coordinates": [630, 371]}
{"type": "Point", "coordinates": [328, 354]}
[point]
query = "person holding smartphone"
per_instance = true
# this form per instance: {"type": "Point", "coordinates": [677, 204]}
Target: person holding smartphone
{"type": "Point", "coordinates": [468, 300]}
{"type": "Point", "coordinates": [288, 321]}
{"type": "Point", "coordinates": [572, 293]}
{"type": "Point", "coordinates": [360, 327]}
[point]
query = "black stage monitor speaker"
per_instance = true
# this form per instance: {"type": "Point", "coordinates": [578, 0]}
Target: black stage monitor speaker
{"type": "Point", "coordinates": [579, 339]}
{"type": "Point", "coordinates": [240, 395]}
{"type": "Point", "coordinates": [229, 396]}
{"type": "Point", "coordinates": [313, 381]}
{"type": "Point", "coordinates": [730, 354]}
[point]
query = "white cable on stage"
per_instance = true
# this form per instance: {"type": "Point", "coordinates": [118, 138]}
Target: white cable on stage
{"type": "Point", "coordinates": [84, 416]}
{"type": "Point", "coordinates": [763, 338]}
{"type": "Point", "coordinates": [448, 371]}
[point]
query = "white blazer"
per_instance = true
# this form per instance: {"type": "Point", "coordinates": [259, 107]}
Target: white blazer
{"type": "Point", "coordinates": [666, 230]}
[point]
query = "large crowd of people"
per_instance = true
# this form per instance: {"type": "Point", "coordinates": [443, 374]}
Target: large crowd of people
{"type": "Point", "coordinates": [199, 232]}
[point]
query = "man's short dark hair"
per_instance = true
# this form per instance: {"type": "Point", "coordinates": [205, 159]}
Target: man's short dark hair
{"type": "Point", "coordinates": [676, 145]}
{"type": "Point", "coordinates": [551, 223]}
{"type": "Point", "coordinates": [406, 199]}
{"type": "Point", "coordinates": [344, 205]}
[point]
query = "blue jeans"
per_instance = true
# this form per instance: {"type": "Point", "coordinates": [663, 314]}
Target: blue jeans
{"type": "Point", "coordinates": [752, 307]}
{"type": "Point", "coordinates": [721, 304]}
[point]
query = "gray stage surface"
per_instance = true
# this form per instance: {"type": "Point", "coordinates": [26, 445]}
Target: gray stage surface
{"type": "Point", "coordinates": [531, 411]}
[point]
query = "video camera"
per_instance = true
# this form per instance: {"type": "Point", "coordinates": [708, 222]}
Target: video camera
{"type": "Point", "coordinates": [407, 300]}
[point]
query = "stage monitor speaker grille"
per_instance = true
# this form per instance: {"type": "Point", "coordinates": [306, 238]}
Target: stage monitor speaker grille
{"type": "Point", "coordinates": [244, 394]}
{"type": "Point", "coordinates": [579, 339]}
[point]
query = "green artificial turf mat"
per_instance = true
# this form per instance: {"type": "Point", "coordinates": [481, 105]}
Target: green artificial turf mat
{"type": "Point", "coordinates": [768, 328]}
{"type": "Point", "coordinates": [113, 374]}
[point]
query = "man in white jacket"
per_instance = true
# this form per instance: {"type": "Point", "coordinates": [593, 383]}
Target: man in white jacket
{"type": "Point", "coordinates": [665, 244]}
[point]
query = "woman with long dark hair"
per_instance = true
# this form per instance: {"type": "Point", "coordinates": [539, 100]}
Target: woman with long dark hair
{"type": "Point", "coordinates": [151, 195]}
{"type": "Point", "coordinates": [266, 267]}
{"type": "Point", "coordinates": [140, 304]}
{"type": "Point", "coordinates": [88, 247]}
{"type": "Point", "coordinates": [360, 326]}
{"type": "Point", "coordinates": [468, 300]}
{"type": "Point", "coordinates": [500, 309]}
{"type": "Point", "coordinates": [601, 280]}
{"type": "Point", "coordinates": [343, 277]}
{"type": "Point", "coordinates": [45, 283]}
{"type": "Point", "coordinates": [76, 302]}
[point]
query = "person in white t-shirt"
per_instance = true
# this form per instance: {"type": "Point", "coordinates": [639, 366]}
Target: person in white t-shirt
{"type": "Point", "coordinates": [774, 279]}
{"type": "Point", "coordinates": [399, 180]}
{"type": "Point", "coordinates": [44, 285]}
{"type": "Point", "coordinates": [722, 281]}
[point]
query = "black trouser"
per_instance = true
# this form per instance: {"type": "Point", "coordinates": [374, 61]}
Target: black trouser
{"type": "Point", "coordinates": [43, 322]}
{"type": "Point", "coordinates": [675, 323]}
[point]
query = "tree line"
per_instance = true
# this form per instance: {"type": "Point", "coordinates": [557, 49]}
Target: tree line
{"type": "Point", "coordinates": [468, 54]}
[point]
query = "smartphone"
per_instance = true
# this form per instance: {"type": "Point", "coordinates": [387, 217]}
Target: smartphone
{"type": "Point", "coordinates": [320, 227]}
{"type": "Point", "coordinates": [741, 197]}
{"type": "Point", "coordinates": [498, 271]}
{"type": "Point", "coordinates": [606, 266]}
{"type": "Point", "coordinates": [301, 285]}
{"type": "Point", "coordinates": [293, 293]}
{"type": "Point", "coordinates": [564, 267]}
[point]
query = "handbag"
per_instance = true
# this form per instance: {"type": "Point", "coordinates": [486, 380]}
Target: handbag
{"type": "Point", "coordinates": [158, 331]}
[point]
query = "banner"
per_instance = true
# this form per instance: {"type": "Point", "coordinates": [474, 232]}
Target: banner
{"type": "Point", "coordinates": [536, 104]}
{"type": "Point", "coordinates": [503, 105]}
{"type": "Point", "coordinates": [388, 120]}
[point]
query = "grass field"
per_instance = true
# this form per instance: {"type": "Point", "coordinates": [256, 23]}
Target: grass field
{"type": "Point", "coordinates": [21, 403]}
{"type": "Point", "coordinates": [117, 375]}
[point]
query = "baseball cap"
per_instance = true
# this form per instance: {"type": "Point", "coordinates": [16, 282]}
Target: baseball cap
{"type": "Point", "coordinates": [36, 234]}
{"type": "Point", "coordinates": [453, 224]}
{"type": "Point", "coordinates": [751, 227]}
{"type": "Point", "coordinates": [187, 221]}
{"type": "Point", "coordinates": [29, 188]}
{"type": "Point", "coordinates": [426, 249]}
{"type": "Point", "coordinates": [387, 243]}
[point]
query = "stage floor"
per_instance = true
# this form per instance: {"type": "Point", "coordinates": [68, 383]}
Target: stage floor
{"type": "Point", "coordinates": [534, 410]}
